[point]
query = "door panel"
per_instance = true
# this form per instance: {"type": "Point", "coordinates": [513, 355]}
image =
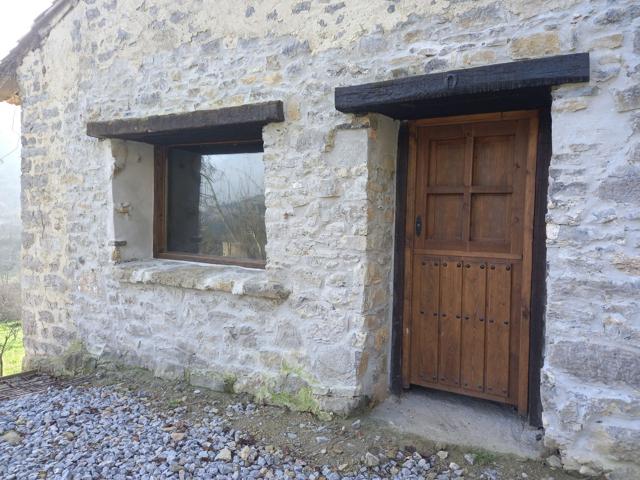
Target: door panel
{"type": "Point", "coordinates": [498, 327]}
{"type": "Point", "coordinates": [467, 232]}
{"type": "Point", "coordinates": [444, 214]}
{"type": "Point", "coordinates": [450, 306]}
{"type": "Point", "coordinates": [425, 320]}
{"type": "Point", "coordinates": [473, 325]}
{"type": "Point", "coordinates": [490, 219]}
{"type": "Point", "coordinates": [493, 161]}
{"type": "Point", "coordinates": [447, 162]}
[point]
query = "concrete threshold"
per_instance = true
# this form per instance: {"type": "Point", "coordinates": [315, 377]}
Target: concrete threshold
{"type": "Point", "coordinates": [463, 421]}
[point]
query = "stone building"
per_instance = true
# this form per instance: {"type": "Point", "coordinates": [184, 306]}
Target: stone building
{"type": "Point", "coordinates": [321, 202]}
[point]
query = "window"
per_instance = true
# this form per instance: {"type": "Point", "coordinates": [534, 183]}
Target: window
{"type": "Point", "coordinates": [209, 203]}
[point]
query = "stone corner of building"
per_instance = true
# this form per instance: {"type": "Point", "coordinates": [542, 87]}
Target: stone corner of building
{"type": "Point", "coordinates": [75, 360]}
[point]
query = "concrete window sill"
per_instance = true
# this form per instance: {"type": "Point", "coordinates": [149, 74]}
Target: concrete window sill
{"type": "Point", "coordinates": [198, 276]}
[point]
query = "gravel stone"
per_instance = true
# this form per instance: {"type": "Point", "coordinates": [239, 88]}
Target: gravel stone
{"type": "Point", "coordinates": [554, 461]}
{"type": "Point", "coordinates": [442, 454]}
{"type": "Point", "coordinates": [11, 437]}
{"type": "Point", "coordinates": [224, 455]}
{"type": "Point", "coordinates": [371, 460]}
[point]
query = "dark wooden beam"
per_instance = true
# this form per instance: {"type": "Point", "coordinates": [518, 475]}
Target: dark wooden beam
{"type": "Point", "coordinates": [398, 258]}
{"type": "Point", "coordinates": [539, 268]}
{"type": "Point", "coordinates": [399, 97]}
{"type": "Point", "coordinates": [232, 123]}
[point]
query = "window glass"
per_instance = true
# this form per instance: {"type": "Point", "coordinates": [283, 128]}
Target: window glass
{"type": "Point", "coordinates": [215, 203]}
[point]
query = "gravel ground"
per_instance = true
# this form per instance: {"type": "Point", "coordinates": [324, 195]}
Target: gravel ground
{"type": "Point", "coordinates": [97, 432]}
{"type": "Point", "coordinates": [124, 423]}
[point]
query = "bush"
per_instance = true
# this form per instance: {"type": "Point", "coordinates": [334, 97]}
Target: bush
{"type": "Point", "coordinates": [10, 327]}
{"type": "Point", "coordinates": [9, 299]}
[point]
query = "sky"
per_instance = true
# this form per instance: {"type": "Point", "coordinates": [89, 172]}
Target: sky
{"type": "Point", "coordinates": [15, 22]}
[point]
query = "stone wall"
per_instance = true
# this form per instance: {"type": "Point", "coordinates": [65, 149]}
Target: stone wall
{"type": "Point", "coordinates": [329, 180]}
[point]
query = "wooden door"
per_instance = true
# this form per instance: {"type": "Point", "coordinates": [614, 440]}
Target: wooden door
{"type": "Point", "coordinates": [468, 245]}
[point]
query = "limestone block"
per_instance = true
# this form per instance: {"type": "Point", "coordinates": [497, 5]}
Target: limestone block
{"type": "Point", "coordinates": [570, 105]}
{"type": "Point", "coordinates": [536, 45]}
{"type": "Point", "coordinates": [334, 362]}
{"type": "Point", "coordinates": [628, 98]}
{"type": "Point", "coordinates": [481, 57]}
{"type": "Point", "coordinates": [623, 442]}
{"type": "Point", "coordinates": [618, 15]}
{"type": "Point", "coordinates": [627, 264]}
{"type": "Point", "coordinates": [597, 363]}
{"type": "Point", "coordinates": [608, 41]}
{"type": "Point", "coordinates": [622, 187]}
{"type": "Point", "coordinates": [288, 336]}
{"type": "Point", "coordinates": [208, 380]}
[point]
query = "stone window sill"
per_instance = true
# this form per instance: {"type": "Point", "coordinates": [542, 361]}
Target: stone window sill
{"type": "Point", "coordinates": [198, 276]}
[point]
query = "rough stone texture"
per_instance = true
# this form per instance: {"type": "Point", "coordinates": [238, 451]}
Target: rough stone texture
{"type": "Point", "coordinates": [220, 278]}
{"type": "Point", "coordinates": [329, 194]}
{"type": "Point", "coordinates": [590, 385]}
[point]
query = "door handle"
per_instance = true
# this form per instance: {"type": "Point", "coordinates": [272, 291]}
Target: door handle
{"type": "Point", "coordinates": [418, 225]}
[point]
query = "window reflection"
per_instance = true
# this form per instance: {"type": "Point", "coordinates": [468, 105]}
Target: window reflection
{"type": "Point", "coordinates": [216, 202]}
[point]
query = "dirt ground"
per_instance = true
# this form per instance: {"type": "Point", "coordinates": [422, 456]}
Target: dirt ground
{"type": "Point", "coordinates": [341, 442]}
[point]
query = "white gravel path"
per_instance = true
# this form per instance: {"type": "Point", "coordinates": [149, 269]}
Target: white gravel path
{"type": "Point", "coordinates": [93, 433]}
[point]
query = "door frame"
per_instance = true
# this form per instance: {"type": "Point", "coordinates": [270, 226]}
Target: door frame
{"type": "Point", "coordinates": [531, 351]}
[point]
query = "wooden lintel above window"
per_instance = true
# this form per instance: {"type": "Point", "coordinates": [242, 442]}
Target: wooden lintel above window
{"type": "Point", "coordinates": [228, 124]}
{"type": "Point", "coordinates": [423, 95]}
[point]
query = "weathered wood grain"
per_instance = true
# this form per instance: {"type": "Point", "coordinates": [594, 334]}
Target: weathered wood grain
{"type": "Point", "coordinates": [399, 97]}
{"type": "Point", "coordinates": [204, 125]}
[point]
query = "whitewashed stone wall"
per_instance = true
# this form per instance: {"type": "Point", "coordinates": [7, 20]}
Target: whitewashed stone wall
{"type": "Point", "coordinates": [329, 180]}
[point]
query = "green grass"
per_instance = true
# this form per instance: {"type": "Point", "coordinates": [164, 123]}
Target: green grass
{"type": "Point", "coordinates": [484, 457]}
{"type": "Point", "coordinates": [15, 350]}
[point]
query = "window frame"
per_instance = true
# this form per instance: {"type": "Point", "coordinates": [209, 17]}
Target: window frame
{"type": "Point", "coordinates": [160, 207]}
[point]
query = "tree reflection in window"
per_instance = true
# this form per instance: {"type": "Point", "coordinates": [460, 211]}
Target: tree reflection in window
{"type": "Point", "coordinates": [216, 202]}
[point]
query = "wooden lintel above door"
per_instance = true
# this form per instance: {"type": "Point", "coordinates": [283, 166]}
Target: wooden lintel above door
{"type": "Point", "coordinates": [420, 95]}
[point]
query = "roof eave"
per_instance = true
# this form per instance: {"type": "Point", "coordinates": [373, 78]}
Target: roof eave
{"type": "Point", "coordinates": [42, 25]}
{"type": "Point", "coordinates": [9, 89]}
